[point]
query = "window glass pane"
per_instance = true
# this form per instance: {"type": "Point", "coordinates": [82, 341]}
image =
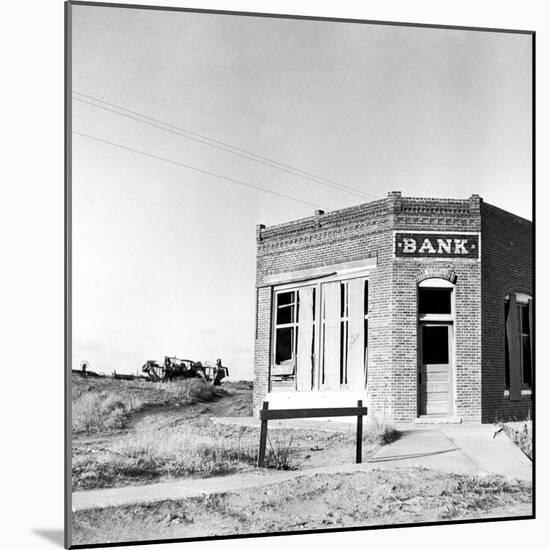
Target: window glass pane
{"type": "Point", "coordinates": [435, 345]}
{"type": "Point", "coordinates": [343, 300]}
{"type": "Point", "coordinates": [506, 353]}
{"type": "Point", "coordinates": [284, 341]}
{"type": "Point", "coordinates": [285, 315]}
{"type": "Point", "coordinates": [434, 300]}
{"type": "Point", "coordinates": [524, 318]}
{"type": "Point", "coordinates": [343, 354]}
{"type": "Point", "coordinates": [285, 298]}
{"type": "Point", "coordinates": [526, 353]}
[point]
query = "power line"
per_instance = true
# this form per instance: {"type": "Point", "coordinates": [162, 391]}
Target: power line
{"type": "Point", "coordinates": [195, 169]}
{"type": "Point", "coordinates": [222, 146]}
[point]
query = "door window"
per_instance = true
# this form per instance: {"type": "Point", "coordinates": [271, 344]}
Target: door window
{"type": "Point", "coordinates": [435, 345]}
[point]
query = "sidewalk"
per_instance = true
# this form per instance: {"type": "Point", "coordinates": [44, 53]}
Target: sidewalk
{"type": "Point", "coordinates": [177, 490]}
{"type": "Point", "coordinates": [456, 448]}
{"type": "Point", "coordinates": [463, 448]}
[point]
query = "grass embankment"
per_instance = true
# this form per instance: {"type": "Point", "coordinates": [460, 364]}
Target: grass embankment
{"type": "Point", "coordinates": [102, 405]}
{"type": "Point", "coordinates": [323, 501]}
{"type": "Point", "coordinates": [102, 408]}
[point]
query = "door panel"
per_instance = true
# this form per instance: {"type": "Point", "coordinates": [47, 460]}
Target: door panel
{"type": "Point", "coordinates": [434, 370]}
{"type": "Point", "coordinates": [331, 351]}
{"type": "Point", "coordinates": [304, 360]}
{"type": "Point", "coordinates": [356, 334]}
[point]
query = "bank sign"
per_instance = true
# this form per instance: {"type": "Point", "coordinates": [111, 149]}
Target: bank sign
{"type": "Point", "coordinates": [436, 245]}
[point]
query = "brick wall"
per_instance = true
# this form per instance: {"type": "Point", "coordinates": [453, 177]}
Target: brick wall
{"type": "Point", "coordinates": [506, 267]}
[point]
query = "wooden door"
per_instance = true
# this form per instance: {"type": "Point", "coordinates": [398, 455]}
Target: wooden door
{"type": "Point", "coordinates": [435, 369]}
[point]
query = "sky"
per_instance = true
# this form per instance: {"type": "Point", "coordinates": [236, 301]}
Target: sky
{"type": "Point", "coordinates": [163, 255]}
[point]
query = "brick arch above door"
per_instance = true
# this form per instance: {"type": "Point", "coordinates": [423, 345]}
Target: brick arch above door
{"type": "Point", "coordinates": [436, 273]}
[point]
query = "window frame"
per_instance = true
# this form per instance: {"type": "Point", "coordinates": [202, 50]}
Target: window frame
{"type": "Point", "coordinates": [293, 324]}
{"type": "Point", "coordinates": [318, 324]}
{"type": "Point", "coordinates": [522, 302]}
{"type": "Point", "coordinates": [436, 317]}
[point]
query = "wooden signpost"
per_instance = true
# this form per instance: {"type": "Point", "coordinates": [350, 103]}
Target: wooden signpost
{"type": "Point", "coordinates": [284, 414]}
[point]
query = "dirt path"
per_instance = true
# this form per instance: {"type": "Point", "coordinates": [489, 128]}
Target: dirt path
{"type": "Point", "coordinates": [231, 402]}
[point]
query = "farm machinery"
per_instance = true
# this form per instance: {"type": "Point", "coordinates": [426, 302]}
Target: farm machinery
{"type": "Point", "coordinates": [173, 368]}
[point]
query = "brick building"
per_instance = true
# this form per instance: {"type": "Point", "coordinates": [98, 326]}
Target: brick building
{"type": "Point", "coordinates": [420, 307]}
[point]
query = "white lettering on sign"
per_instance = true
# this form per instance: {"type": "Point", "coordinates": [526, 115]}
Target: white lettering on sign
{"type": "Point", "coordinates": [460, 246]}
{"type": "Point", "coordinates": [409, 245]}
{"type": "Point", "coordinates": [444, 245]}
{"type": "Point", "coordinates": [427, 247]}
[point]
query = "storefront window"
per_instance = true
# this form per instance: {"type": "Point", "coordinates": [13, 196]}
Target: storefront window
{"type": "Point", "coordinates": [330, 354]}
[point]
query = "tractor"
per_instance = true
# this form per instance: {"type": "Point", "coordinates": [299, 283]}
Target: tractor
{"type": "Point", "coordinates": [174, 368]}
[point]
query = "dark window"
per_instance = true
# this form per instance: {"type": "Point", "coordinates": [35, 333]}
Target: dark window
{"type": "Point", "coordinates": [285, 307]}
{"type": "Point", "coordinates": [518, 361]}
{"type": "Point", "coordinates": [526, 351]}
{"type": "Point", "coordinates": [286, 326]}
{"type": "Point", "coordinates": [506, 352]}
{"type": "Point", "coordinates": [434, 300]}
{"type": "Point", "coordinates": [435, 345]}
{"type": "Point", "coordinates": [285, 341]}
{"type": "Point", "coordinates": [525, 329]}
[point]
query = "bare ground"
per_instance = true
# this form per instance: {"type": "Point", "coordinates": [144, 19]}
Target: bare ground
{"type": "Point", "coordinates": [108, 458]}
{"type": "Point", "coordinates": [307, 503]}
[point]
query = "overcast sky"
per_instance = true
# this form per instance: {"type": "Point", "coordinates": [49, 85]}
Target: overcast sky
{"type": "Point", "coordinates": [163, 256]}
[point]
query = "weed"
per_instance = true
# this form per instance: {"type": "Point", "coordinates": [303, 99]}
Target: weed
{"type": "Point", "coordinates": [380, 432]}
{"type": "Point", "coordinates": [280, 454]}
{"type": "Point", "coordinates": [521, 437]}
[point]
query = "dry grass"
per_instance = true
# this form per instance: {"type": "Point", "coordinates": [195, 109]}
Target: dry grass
{"type": "Point", "coordinates": [102, 411]}
{"type": "Point", "coordinates": [203, 449]}
{"type": "Point", "coordinates": [521, 435]}
{"type": "Point", "coordinates": [379, 431]}
{"type": "Point", "coordinates": [162, 454]}
{"type": "Point", "coordinates": [190, 390]}
{"type": "Point", "coordinates": [280, 454]}
{"type": "Point", "coordinates": [170, 439]}
{"type": "Point", "coordinates": [106, 405]}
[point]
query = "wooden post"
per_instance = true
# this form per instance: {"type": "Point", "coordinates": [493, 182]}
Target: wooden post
{"type": "Point", "coordinates": [359, 448]}
{"type": "Point", "coordinates": [263, 436]}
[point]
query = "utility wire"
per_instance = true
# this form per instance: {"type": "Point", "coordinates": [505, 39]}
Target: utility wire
{"type": "Point", "coordinates": [220, 145]}
{"type": "Point", "coordinates": [195, 169]}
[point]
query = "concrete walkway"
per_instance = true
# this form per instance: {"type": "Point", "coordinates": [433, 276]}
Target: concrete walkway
{"type": "Point", "coordinates": [462, 448]}
{"type": "Point", "coordinates": [455, 448]}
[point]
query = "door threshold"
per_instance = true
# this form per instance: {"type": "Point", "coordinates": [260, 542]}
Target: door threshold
{"type": "Point", "coordinates": [432, 419]}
